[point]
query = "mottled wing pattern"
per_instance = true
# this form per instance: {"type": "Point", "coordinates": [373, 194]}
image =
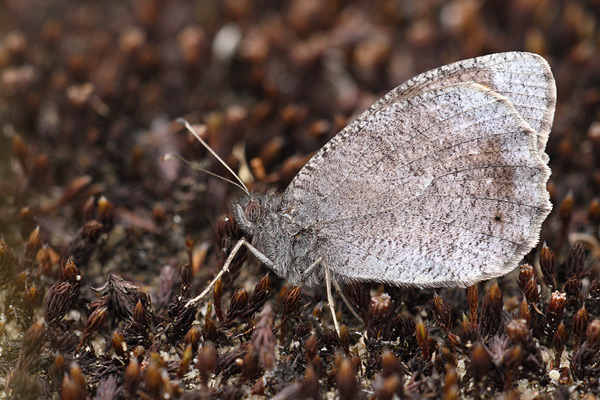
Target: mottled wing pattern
{"type": "Point", "coordinates": [442, 187]}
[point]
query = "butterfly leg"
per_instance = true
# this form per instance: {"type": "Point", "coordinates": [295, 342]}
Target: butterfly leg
{"type": "Point", "coordinates": [330, 297]}
{"type": "Point", "coordinates": [311, 267]}
{"type": "Point", "coordinates": [225, 268]}
{"type": "Point", "coordinates": [258, 254]}
{"type": "Point", "coordinates": [236, 248]}
{"type": "Point", "coordinates": [343, 296]}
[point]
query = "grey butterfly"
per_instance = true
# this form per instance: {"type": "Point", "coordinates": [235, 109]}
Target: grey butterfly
{"type": "Point", "coordinates": [442, 182]}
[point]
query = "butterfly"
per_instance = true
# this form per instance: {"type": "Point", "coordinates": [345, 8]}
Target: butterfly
{"type": "Point", "coordinates": [442, 182]}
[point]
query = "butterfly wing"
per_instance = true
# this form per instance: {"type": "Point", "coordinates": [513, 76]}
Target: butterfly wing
{"type": "Point", "coordinates": [524, 78]}
{"type": "Point", "coordinates": [442, 187]}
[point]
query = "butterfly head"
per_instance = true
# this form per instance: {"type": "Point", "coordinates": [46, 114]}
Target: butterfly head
{"type": "Point", "coordinates": [252, 211]}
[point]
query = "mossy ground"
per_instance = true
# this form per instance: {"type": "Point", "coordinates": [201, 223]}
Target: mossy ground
{"type": "Point", "coordinates": [88, 95]}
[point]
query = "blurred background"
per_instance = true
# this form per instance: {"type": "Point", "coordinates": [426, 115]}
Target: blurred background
{"type": "Point", "coordinates": [89, 91]}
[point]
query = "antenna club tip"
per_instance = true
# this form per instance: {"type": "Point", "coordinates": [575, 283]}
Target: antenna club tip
{"type": "Point", "coordinates": [167, 157]}
{"type": "Point", "coordinates": [181, 121]}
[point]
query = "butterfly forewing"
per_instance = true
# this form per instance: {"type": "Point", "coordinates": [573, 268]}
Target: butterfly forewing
{"type": "Point", "coordinates": [524, 78]}
{"type": "Point", "coordinates": [442, 182]}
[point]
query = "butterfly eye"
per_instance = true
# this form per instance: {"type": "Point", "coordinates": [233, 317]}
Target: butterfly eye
{"type": "Point", "coordinates": [252, 211]}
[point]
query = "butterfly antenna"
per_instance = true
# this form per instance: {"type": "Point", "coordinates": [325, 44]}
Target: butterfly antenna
{"type": "Point", "coordinates": [193, 131]}
{"type": "Point", "coordinates": [171, 156]}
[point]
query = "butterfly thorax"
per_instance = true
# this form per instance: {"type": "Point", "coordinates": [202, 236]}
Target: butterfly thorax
{"type": "Point", "coordinates": [275, 233]}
